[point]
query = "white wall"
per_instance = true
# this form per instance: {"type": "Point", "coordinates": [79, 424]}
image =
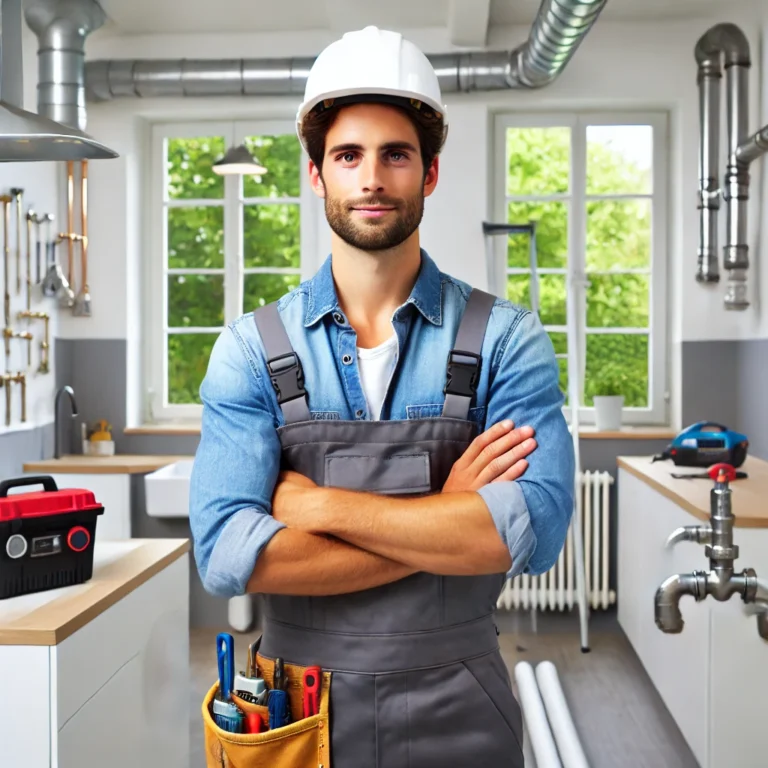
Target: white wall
{"type": "Point", "coordinates": [642, 66]}
{"type": "Point", "coordinates": [40, 183]}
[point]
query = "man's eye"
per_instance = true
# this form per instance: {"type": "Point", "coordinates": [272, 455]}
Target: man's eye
{"type": "Point", "coordinates": [348, 157]}
{"type": "Point", "coordinates": [396, 156]}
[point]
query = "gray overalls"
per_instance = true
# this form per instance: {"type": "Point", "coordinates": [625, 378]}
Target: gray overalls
{"type": "Point", "coordinates": [418, 680]}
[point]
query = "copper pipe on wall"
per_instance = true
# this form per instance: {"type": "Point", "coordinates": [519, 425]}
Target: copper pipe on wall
{"type": "Point", "coordinates": [70, 219]}
{"type": "Point", "coordinates": [6, 202]}
{"type": "Point", "coordinates": [82, 307]}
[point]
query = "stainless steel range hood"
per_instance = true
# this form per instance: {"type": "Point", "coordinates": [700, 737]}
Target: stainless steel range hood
{"type": "Point", "coordinates": [26, 136]}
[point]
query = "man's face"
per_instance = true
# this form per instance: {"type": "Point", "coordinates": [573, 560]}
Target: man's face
{"type": "Point", "coordinates": [373, 180]}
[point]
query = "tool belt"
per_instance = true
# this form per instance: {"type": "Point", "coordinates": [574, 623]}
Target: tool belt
{"type": "Point", "coordinates": [303, 743]}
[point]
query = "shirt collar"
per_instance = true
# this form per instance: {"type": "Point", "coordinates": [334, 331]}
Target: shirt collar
{"type": "Point", "coordinates": [426, 294]}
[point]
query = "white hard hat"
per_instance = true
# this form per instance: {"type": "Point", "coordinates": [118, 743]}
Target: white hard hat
{"type": "Point", "coordinates": [372, 62]}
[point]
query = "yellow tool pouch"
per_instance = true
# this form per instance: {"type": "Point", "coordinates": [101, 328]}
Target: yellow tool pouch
{"type": "Point", "coordinates": [304, 743]}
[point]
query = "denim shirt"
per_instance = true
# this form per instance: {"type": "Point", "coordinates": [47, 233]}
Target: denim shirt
{"type": "Point", "coordinates": [238, 458]}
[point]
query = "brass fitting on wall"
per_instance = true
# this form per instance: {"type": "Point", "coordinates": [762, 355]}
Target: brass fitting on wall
{"type": "Point", "coordinates": [21, 378]}
{"type": "Point", "coordinates": [44, 344]}
{"type": "Point", "coordinates": [9, 334]}
{"type": "Point", "coordinates": [5, 381]}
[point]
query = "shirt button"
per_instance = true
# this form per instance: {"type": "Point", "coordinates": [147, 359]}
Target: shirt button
{"type": "Point", "coordinates": [347, 359]}
{"type": "Point", "coordinates": [338, 317]}
{"type": "Point", "coordinates": [358, 414]}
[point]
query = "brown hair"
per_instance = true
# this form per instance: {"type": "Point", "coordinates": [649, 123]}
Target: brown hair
{"type": "Point", "coordinates": [428, 125]}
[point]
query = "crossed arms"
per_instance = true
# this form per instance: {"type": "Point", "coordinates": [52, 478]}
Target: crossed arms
{"type": "Point", "coordinates": [339, 541]}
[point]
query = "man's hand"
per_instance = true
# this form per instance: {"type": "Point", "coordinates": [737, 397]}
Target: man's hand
{"type": "Point", "coordinates": [497, 454]}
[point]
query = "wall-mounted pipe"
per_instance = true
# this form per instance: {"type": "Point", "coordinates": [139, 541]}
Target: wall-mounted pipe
{"type": "Point", "coordinates": [556, 33]}
{"type": "Point", "coordinates": [725, 45]}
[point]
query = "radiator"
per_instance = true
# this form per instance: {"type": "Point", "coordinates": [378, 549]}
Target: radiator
{"type": "Point", "coordinates": [556, 589]}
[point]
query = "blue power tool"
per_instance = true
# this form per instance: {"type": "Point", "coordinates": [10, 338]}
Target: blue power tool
{"type": "Point", "coordinates": [705, 443]}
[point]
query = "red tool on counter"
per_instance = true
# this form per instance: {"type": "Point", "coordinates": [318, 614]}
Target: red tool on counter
{"type": "Point", "coordinates": [46, 537]}
{"type": "Point", "coordinates": [712, 473]}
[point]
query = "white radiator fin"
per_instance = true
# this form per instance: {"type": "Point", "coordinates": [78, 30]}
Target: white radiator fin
{"type": "Point", "coordinates": [556, 589]}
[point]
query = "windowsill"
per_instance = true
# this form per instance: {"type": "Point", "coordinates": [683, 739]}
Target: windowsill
{"type": "Point", "coordinates": [585, 432]}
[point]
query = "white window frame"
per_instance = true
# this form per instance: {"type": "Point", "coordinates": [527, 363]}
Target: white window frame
{"type": "Point", "coordinates": [155, 330]}
{"type": "Point", "coordinates": [657, 411]}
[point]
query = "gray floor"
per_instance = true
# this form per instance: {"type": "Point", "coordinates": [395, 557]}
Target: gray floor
{"type": "Point", "coordinates": [620, 718]}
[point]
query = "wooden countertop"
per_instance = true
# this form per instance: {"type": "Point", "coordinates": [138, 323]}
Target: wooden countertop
{"type": "Point", "coordinates": [120, 464]}
{"type": "Point", "coordinates": [119, 567]}
{"type": "Point", "coordinates": [750, 495]}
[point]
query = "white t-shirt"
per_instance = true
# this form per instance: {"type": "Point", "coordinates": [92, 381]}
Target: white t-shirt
{"type": "Point", "coordinates": [376, 366]}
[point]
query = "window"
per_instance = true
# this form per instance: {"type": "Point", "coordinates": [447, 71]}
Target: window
{"type": "Point", "coordinates": [594, 186]}
{"type": "Point", "coordinates": [222, 245]}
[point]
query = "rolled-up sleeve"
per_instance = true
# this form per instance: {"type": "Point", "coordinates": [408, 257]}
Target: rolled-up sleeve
{"type": "Point", "coordinates": [532, 514]}
{"type": "Point", "coordinates": [235, 470]}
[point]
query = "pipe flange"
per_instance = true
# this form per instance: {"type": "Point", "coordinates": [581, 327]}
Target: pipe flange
{"type": "Point", "coordinates": [718, 553]}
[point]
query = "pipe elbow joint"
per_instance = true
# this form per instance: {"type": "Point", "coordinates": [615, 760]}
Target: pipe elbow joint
{"type": "Point", "coordinates": [669, 619]}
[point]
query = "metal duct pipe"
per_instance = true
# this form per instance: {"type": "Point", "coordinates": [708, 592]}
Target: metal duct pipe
{"type": "Point", "coordinates": [723, 43]}
{"type": "Point", "coordinates": [61, 27]}
{"type": "Point", "coordinates": [559, 28]}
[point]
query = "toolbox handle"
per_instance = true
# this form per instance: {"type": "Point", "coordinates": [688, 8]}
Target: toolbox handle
{"type": "Point", "coordinates": [49, 484]}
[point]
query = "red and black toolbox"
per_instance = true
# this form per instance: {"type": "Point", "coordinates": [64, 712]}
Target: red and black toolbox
{"type": "Point", "coordinates": [46, 537]}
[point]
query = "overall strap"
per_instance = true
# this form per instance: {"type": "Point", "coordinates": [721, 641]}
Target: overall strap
{"type": "Point", "coordinates": [464, 359]}
{"type": "Point", "coordinates": [283, 364]}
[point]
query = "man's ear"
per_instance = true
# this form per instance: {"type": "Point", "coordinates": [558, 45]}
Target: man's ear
{"type": "Point", "coordinates": [430, 179]}
{"type": "Point", "coordinates": [316, 180]}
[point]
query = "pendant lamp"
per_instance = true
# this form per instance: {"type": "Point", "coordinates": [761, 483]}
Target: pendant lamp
{"type": "Point", "coordinates": [238, 161]}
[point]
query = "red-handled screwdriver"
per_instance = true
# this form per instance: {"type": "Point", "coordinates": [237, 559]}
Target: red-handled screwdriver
{"type": "Point", "coordinates": [311, 683]}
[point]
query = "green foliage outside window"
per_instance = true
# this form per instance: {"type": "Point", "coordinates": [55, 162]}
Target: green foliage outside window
{"type": "Point", "coordinates": [195, 238]}
{"type": "Point", "coordinates": [618, 237]}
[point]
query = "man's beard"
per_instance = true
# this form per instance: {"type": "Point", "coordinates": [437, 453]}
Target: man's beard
{"type": "Point", "coordinates": [375, 234]}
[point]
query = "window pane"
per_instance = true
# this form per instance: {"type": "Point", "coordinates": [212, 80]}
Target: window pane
{"type": "Point", "coordinates": [189, 163]}
{"type": "Point", "coordinates": [196, 237]}
{"type": "Point", "coordinates": [551, 296]}
{"type": "Point", "coordinates": [619, 234]}
{"type": "Point", "coordinates": [619, 159]}
{"type": "Point", "coordinates": [188, 355]}
{"type": "Point", "coordinates": [538, 160]}
{"type": "Point", "coordinates": [271, 236]}
{"type": "Point", "coordinates": [560, 343]}
{"type": "Point", "coordinates": [195, 301]}
{"type": "Point", "coordinates": [617, 301]}
{"type": "Point", "coordinates": [262, 289]}
{"type": "Point", "coordinates": [551, 234]}
{"type": "Point", "coordinates": [281, 156]}
{"type": "Point", "coordinates": [617, 364]}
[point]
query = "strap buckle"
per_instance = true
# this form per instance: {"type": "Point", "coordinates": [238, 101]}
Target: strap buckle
{"type": "Point", "coordinates": [287, 377]}
{"type": "Point", "coordinates": [462, 377]}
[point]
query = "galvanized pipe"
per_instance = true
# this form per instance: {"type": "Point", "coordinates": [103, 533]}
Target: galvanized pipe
{"type": "Point", "coordinates": [558, 30]}
{"type": "Point", "coordinates": [723, 44]}
{"type": "Point", "coordinates": [754, 147]}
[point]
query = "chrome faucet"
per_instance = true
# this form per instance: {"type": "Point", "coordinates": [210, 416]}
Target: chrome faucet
{"type": "Point", "coordinates": [720, 582]}
{"type": "Point", "coordinates": [69, 391]}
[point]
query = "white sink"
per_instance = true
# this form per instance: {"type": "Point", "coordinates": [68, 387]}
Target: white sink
{"type": "Point", "coordinates": [167, 490]}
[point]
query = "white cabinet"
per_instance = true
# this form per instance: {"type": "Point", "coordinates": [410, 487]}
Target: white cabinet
{"type": "Point", "coordinates": [115, 691]}
{"type": "Point", "coordinates": [714, 674]}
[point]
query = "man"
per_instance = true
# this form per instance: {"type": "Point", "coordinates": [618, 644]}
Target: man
{"type": "Point", "coordinates": [343, 472]}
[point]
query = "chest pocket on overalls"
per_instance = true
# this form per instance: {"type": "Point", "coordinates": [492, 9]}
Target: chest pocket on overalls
{"type": "Point", "coordinates": [303, 743]}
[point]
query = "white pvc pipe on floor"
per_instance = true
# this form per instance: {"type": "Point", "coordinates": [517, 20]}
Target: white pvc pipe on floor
{"type": "Point", "coordinates": [542, 743]}
{"type": "Point", "coordinates": [568, 744]}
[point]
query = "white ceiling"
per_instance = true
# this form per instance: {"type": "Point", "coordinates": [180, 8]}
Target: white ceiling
{"type": "Point", "coordinates": [201, 16]}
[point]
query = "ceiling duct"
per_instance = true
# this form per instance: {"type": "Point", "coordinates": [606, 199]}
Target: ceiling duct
{"type": "Point", "coordinates": [559, 28]}
{"type": "Point", "coordinates": [725, 46]}
{"type": "Point", "coordinates": [26, 136]}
